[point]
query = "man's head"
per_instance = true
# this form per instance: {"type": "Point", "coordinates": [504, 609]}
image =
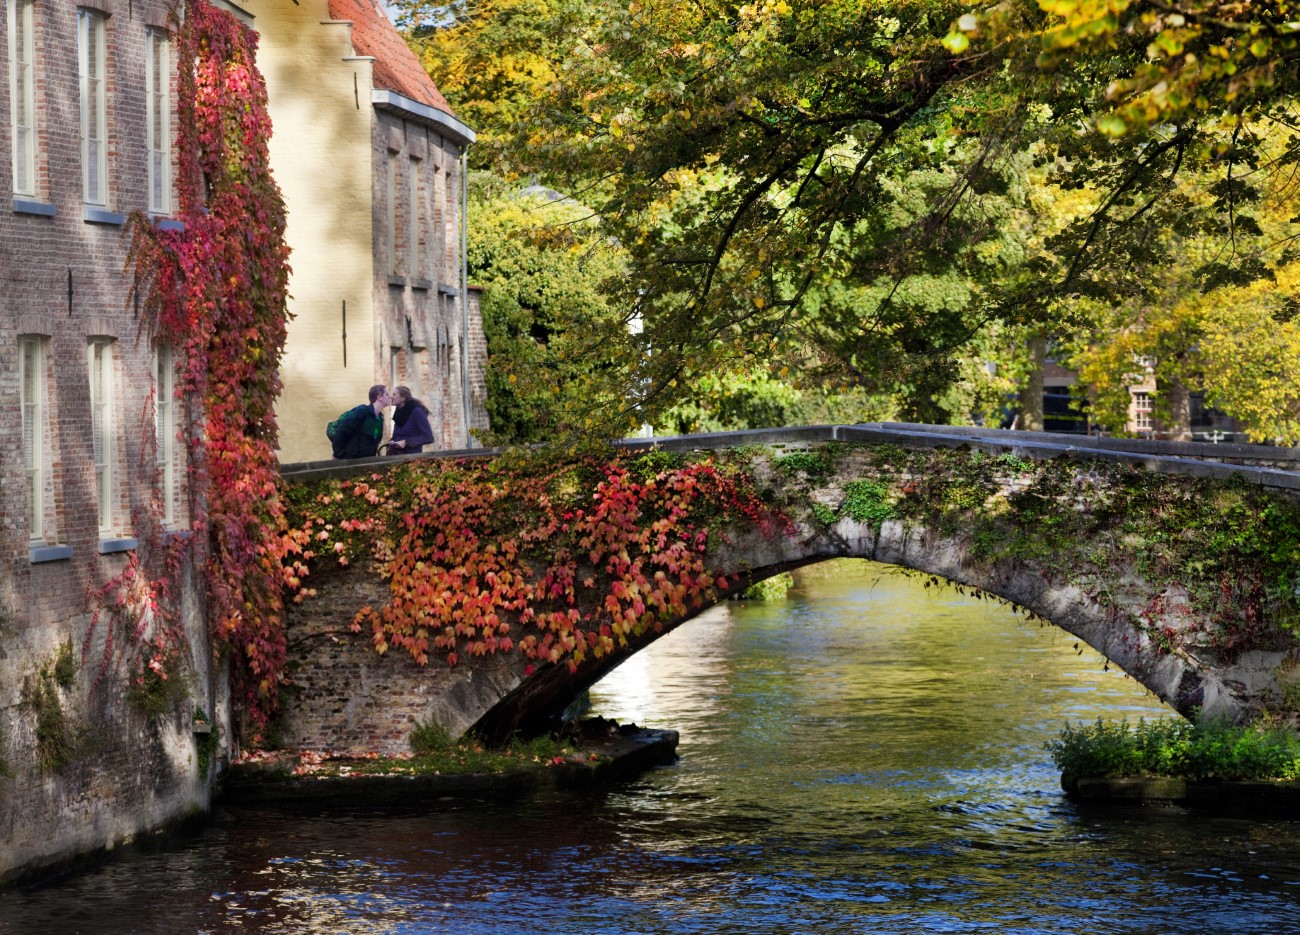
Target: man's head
{"type": "Point", "coordinates": [380, 398]}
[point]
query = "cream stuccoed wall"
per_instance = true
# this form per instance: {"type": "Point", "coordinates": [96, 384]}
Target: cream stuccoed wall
{"type": "Point", "coordinates": [321, 156]}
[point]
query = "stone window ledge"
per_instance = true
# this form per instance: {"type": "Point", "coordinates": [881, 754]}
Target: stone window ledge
{"type": "Point", "coordinates": [95, 215]}
{"type": "Point", "coordinates": [29, 206]}
{"type": "Point", "coordinates": [48, 553]}
{"type": "Point", "coordinates": [109, 546]}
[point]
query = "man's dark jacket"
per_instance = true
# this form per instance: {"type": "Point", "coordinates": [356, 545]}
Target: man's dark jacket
{"type": "Point", "coordinates": [357, 432]}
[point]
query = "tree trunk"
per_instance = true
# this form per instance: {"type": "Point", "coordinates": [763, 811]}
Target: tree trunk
{"type": "Point", "coordinates": [1031, 396]}
{"type": "Point", "coordinates": [1178, 428]}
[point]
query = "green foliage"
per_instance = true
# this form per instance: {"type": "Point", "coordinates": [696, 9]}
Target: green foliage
{"type": "Point", "coordinates": [1205, 750]}
{"type": "Point", "coordinates": [58, 742]}
{"type": "Point", "coordinates": [64, 670]}
{"type": "Point", "coordinates": [774, 588]}
{"type": "Point", "coordinates": [436, 751]}
{"type": "Point", "coordinates": [206, 743]}
{"type": "Point", "coordinates": [491, 59]}
{"type": "Point", "coordinates": [814, 465]}
{"type": "Point", "coordinates": [653, 463]}
{"type": "Point", "coordinates": [430, 738]}
{"type": "Point", "coordinates": [822, 513]}
{"type": "Point", "coordinates": [558, 350]}
{"type": "Point", "coordinates": [868, 501]}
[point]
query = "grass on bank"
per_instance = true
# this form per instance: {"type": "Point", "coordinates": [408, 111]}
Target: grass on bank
{"type": "Point", "coordinates": [1177, 749]}
{"type": "Point", "coordinates": [435, 753]}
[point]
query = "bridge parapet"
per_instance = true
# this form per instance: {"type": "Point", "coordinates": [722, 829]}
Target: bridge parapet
{"type": "Point", "coordinates": [1273, 467]}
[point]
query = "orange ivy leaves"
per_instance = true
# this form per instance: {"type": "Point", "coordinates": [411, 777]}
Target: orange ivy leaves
{"type": "Point", "coordinates": [560, 565]}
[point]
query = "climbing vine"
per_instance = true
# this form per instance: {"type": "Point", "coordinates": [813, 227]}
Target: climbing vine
{"type": "Point", "coordinates": [557, 561]}
{"type": "Point", "coordinates": [216, 291]}
{"type": "Point", "coordinates": [1218, 555]}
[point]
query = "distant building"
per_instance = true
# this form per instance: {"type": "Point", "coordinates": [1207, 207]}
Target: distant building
{"type": "Point", "coordinates": [369, 157]}
{"type": "Point", "coordinates": [1206, 424]}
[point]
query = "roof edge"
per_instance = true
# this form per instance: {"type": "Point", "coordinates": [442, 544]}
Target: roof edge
{"type": "Point", "coordinates": [445, 123]}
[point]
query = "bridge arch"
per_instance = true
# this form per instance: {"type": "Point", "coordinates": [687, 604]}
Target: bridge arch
{"type": "Point", "coordinates": [1049, 527]}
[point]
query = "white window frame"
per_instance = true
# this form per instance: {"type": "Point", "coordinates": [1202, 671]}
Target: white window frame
{"type": "Point", "coordinates": [164, 415]}
{"type": "Point", "coordinates": [1142, 410]}
{"type": "Point", "coordinates": [93, 72]}
{"type": "Point", "coordinates": [158, 117]}
{"type": "Point", "coordinates": [31, 395]}
{"type": "Point", "coordinates": [22, 94]}
{"type": "Point", "coordinates": [99, 364]}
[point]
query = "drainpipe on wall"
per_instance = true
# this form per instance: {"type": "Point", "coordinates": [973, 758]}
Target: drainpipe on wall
{"type": "Point", "coordinates": [464, 284]}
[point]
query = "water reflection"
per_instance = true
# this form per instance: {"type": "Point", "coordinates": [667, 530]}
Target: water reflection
{"type": "Point", "coordinates": [866, 756]}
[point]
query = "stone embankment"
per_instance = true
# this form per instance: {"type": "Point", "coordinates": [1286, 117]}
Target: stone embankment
{"type": "Point", "coordinates": [1256, 798]}
{"type": "Point", "coordinates": [604, 753]}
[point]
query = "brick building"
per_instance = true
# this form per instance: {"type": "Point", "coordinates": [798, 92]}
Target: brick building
{"type": "Point", "coordinates": [370, 159]}
{"type": "Point", "coordinates": [90, 466]}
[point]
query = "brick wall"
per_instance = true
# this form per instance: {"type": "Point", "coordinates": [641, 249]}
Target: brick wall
{"type": "Point", "coordinates": [61, 278]}
{"type": "Point", "coordinates": [420, 327]}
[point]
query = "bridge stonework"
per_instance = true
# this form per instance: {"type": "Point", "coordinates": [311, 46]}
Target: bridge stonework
{"type": "Point", "coordinates": [1030, 519]}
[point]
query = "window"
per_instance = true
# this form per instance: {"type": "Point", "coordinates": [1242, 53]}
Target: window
{"type": "Point", "coordinates": [415, 217]}
{"type": "Point", "coordinates": [22, 95]}
{"type": "Point", "coordinates": [393, 265]}
{"type": "Point", "coordinates": [100, 362]}
{"type": "Point", "coordinates": [1142, 410]}
{"type": "Point", "coordinates": [164, 414]}
{"type": "Point", "coordinates": [94, 106]}
{"type": "Point", "coordinates": [31, 392]}
{"type": "Point", "coordinates": [158, 131]}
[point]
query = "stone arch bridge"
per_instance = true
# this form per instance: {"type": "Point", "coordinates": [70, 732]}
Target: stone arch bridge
{"type": "Point", "coordinates": [1178, 562]}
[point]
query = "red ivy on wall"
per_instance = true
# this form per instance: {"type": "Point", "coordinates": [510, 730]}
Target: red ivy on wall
{"type": "Point", "coordinates": [557, 562]}
{"type": "Point", "coordinates": [217, 292]}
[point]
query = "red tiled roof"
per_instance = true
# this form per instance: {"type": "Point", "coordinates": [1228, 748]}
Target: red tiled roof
{"type": "Point", "coordinates": [396, 68]}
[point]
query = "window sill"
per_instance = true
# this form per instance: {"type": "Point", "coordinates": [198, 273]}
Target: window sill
{"type": "Point", "coordinates": [176, 535]}
{"type": "Point", "coordinates": [447, 290]}
{"type": "Point", "coordinates": [168, 224]}
{"type": "Point", "coordinates": [48, 553]}
{"type": "Point", "coordinates": [422, 285]}
{"type": "Point", "coordinates": [397, 281]}
{"type": "Point", "coordinates": [26, 206]}
{"type": "Point", "coordinates": [109, 546]}
{"type": "Point", "coordinates": [93, 215]}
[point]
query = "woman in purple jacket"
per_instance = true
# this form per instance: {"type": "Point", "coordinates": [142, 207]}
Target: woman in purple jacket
{"type": "Point", "coordinates": [411, 430]}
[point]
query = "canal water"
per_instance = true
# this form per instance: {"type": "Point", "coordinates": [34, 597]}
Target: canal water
{"type": "Point", "coordinates": [866, 756]}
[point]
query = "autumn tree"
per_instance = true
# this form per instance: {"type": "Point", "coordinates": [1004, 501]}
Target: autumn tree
{"type": "Point", "coordinates": [556, 346]}
{"type": "Point", "coordinates": [848, 181]}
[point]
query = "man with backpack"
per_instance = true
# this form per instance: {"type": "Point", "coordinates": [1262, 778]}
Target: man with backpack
{"type": "Point", "coordinates": [357, 433]}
